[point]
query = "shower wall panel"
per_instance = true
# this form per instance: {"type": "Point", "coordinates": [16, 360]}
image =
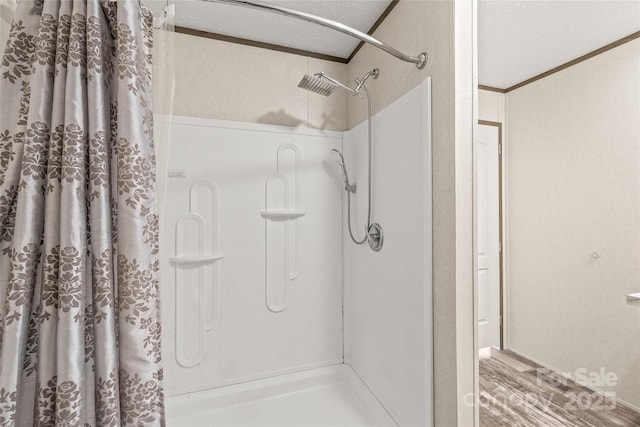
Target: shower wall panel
{"type": "Point", "coordinates": [251, 252]}
{"type": "Point", "coordinates": [388, 310]}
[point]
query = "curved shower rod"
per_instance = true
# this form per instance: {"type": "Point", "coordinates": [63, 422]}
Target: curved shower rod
{"type": "Point", "coordinates": [420, 60]}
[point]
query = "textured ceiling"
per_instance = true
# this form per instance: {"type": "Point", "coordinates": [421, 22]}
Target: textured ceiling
{"type": "Point", "coordinates": [521, 39]}
{"type": "Point", "coordinates": [516, 39]}
{"type": "Point", "coordinates": [276, 29]}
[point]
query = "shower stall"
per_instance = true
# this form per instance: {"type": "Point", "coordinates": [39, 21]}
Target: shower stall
{"type": "Point", "coordinates": [271, 315]}
{"type": "Point", "coordinates": [296, 261]}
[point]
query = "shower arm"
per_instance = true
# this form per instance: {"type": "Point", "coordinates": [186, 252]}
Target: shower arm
{"type": "Point", "coordinates": [337, 83]}
{"type": "Point", "coordinates": [420, 60]}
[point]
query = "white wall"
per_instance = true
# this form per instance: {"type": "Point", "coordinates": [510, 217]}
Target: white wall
{"type": "Point", "coordinates": [573, 189]}
{"type": "Point", "coordinates": [249, 341]}
{"type": "Point", "coordinates": [388, 294]}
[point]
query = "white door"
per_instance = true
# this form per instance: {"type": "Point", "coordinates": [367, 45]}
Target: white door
{"type": "Point", "coordinates": [488, 236]}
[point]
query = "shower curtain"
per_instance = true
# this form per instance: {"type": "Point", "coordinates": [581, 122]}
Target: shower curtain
{"type": "Point", "coordinates": [79, 308]}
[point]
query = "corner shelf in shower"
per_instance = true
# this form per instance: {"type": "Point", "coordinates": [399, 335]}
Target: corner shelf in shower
{"type": "Point", "coordinates": [196, 259]}
{"type": "Point", "coordinates": [282, 215]}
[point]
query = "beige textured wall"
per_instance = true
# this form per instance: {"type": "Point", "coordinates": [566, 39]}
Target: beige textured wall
{"type": "Point", "coordinates": [445, 30]}
{"type": "Point", "coordinates": [227, 81]}
{"type": "Point", "coordinates": [491, 106]}
{"type": "Point", "coordinates": [414, 26]}
{"type": "Point", "coordinates": [574, 188]}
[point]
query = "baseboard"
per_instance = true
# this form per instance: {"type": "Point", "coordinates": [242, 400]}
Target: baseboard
{"type": "Point", "coordinates": [608, 395]}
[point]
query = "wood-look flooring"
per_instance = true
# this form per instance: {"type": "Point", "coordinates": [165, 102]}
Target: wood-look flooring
{"type": "Point", "coordinates": [513, 394]}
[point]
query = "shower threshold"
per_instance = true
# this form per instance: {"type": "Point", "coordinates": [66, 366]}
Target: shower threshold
{"type": "Point", "coordinates": [330, 396]}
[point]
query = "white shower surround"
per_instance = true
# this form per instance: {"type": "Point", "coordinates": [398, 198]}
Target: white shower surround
{"type": "Point", "coordinates": [251, 342]}
{"type": "Point", "coordinates": [387, 296]}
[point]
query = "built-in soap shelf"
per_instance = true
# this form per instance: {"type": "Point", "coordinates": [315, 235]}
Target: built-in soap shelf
{"type": "Point", "coordinates": [282, 215]}
{"type": "Point", "coordinates": [283, 229]}
{"type": "Point", "coordinates": [196, 259]}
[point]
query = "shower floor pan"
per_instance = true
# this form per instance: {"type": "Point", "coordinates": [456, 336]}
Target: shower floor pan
{"type": "Point", "coordinates": [331, 396]}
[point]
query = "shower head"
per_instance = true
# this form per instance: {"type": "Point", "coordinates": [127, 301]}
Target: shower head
{"type": "Point", "coordinates": [361, 80]}
{"type": "Point", "coordinates": [339, 158]}
{"type": "Point", "coordinates": [322, 84]}
{"type": "Point", "coordinates": [317, 84]}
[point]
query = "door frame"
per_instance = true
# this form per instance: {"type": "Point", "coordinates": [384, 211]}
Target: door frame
{"type": "Point", "coordinates": [500, 224]}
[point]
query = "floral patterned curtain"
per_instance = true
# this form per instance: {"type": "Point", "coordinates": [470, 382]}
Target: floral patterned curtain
{"type": "Point", "coordinates": [79, 307]}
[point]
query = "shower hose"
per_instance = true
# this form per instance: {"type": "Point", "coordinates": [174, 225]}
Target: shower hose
{"type": "Point", "coordinates": [367, 236]}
